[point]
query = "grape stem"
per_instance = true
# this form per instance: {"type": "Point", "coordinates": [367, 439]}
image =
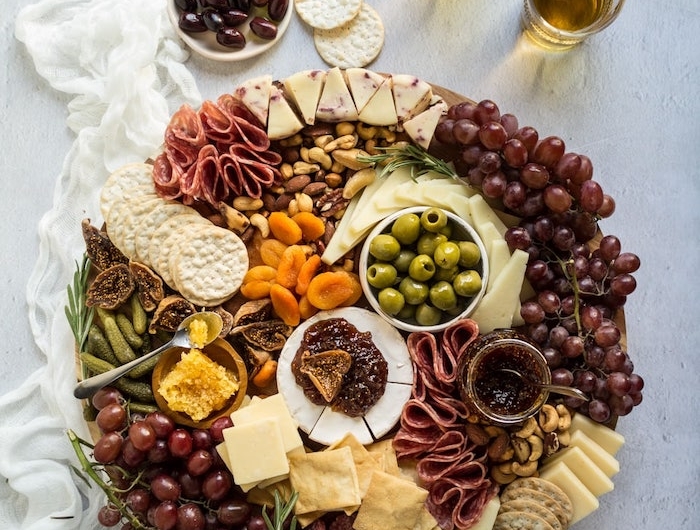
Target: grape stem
{"type": "Point", "coordinates": [574, 285]}
{"type": "Point", "coordinates": [89, 469]}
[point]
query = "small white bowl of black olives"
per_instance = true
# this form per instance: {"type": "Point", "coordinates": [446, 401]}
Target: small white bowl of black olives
{"type": "Point", "coordinates": [423, 268]}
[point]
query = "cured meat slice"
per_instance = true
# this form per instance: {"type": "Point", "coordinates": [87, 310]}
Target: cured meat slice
{"type": "Point", "coordinates": [184, 136]}
{"type": "Point", "coordinates": [216, 123]}
{"type": "Point", "coordinates": [454, 506]}
{"type": "Point", "coordinates": [455, 340]}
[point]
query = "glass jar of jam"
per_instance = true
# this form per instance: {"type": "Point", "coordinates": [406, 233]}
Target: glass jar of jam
{"type": "Point", "coordinates": [498, 396]}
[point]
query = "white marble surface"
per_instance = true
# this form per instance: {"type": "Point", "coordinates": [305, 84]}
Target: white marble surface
{"type": "Point", "coordinates": [629, 98]}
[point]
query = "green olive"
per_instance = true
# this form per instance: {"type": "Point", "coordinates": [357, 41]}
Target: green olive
{"type": "Point", "coordinates": [433, 219]}
{"type": "Point", "coordinates": [469, 254]}
{"type": "Point", "coordinates": [381, 275]}
{"type": "Point", "coordinates": [406, 228]}
{"type": "Point", "coordinates": [442, 295]}
{"type": "Point", "coordinates": [447, 255]}
{"type": "Point", "coordinates": [446, 274]}
{"type": "Point", "coordinates": [428, 242]}
{"type": "Point", "coordinates": [422, 268]}
{"type": "Point", "coordinates": [414, 292]}
{"type": "Point", "coordinates": [391, 301]}
{"type": "Point", "coordinates": [403, 260]}
{"type": "Point", "coordinates": [427, 315]}
{"type": "Point", "coordinates": [467, 283]}
{"type": "Point", "coordinates": [384, 247]}
{"type": "Point", "coordinates": [407, 312]}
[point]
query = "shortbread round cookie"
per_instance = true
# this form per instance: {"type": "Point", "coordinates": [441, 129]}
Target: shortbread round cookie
{"type": "Point", "coordinates": [151, 221]}
{"type": "Point", "coordinates": [520, 521]}
{"type": "Point", "coordinates": [209, 266]}
{"type": "Point", "coordinates": [530, 506]}
{"type": "Point", "coordinates": [327, 14]}
{"type": "Point", "coordinates": [354, 44]}
{"type": "Point", "coordinates": [120, 182]}
{"type": "Point", "coordinates": [548, 488]}
{"type": "Point", "coordinates": [552, 504]}
{"type": "Point", "coordinates": [169, 243]}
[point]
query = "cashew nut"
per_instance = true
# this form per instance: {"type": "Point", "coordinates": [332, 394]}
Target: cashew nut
{"type": "Point", "coordinates": [305, 168]}
{"type": "Point", "coordinates": [236, 220]}
{"type": "Point", "coordinates": [564, 417]}
{"type": "Point", "coordinates": [317, 154]}
{"type": "Point", "coordinates": [259, 221]}
{"type": "Point", "coordinates": [247, 204]}
{"type": "Point", "coordinates": [358, 181]}
{"type": "Point", "coordinates": [304, 202]}
{"type": "Point", "coordinates": [287, 171]}
{"type": "Point", "coordinates": [500, 477]}
{"type": "Point", "coordinates": [549, 418]}
{"type": "Point", "coordinates": [564, 438]}
{"type": "Point", "coordinates": [366, 132]}
{"type": "Point", "coordinates": [347, 141]}
{"type": "Point", "coordinates": [292, 141]}
{"type": "Point", "coordinates": [521, 449]}
{"type": "Point", "coordinates": [525, 470]}
{"type": "Point", "coordinates": [344, 128]}
{"type": "Point", "coordinates": [528, 428]}
{"type": "Point", "coordinates": [536, 447]}
{"type": "Point", "coordinates": [323, 140]}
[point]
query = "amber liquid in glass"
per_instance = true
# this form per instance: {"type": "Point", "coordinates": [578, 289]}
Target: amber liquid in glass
{"type": "Point", "coordinates": [570, 15]}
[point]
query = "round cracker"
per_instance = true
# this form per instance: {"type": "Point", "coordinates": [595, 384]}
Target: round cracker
{"type": "Point", "coordinates": [327, 14]}
{"type": "Point", "coordinates": [151, 221]}
{"type": "Point", "coordinates": [354, 44]}
{"type": "Point", "coordinates": [547, 487]}
{"type": "Point", "coordinates": [541, 498]}
{"type": "Point", "coordinates": [165, 230]}
{"type": "Point", "coordinates": [170, 244]}
{"type": "Point", "coordinates": [209, 266]}
{"type": "Point", "coordinates": [530, 506]}
{"type": "Point", "coordinates": [122, 182]}
{"type": "Point", "coordinates": [520, 521]}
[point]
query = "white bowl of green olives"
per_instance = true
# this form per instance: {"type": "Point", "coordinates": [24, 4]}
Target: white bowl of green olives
{"type": "Point", "coordinates": [422, 268]}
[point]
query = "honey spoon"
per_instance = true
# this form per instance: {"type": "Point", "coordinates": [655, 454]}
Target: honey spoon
{"type": "Point", "coordinates": [181, 339]}
{"type": "Point", "coordinates": [557, 389]}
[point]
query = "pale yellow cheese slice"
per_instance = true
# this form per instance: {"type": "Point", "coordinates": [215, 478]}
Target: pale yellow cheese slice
{"type": "Point", "coordinates": [583, 500]}
{"type": "Point", "coordinates": [488, 516]}
{"type": "Point", "coordinates": [499, 254]}
{"type": "Point", "coordinates": [380, 110]}
{"type": "Point", "coordinates": [282, 121]}
{"type": "Point", "coordinates": [482, 213]}
{"type": "Point", "coordinates": [255, 95]}
{"type": "Point", "coordinates": [304, 88]}
{"type": "Point", "coordinates": [336, 103]}
{"type": "Point", "coordinates": [411, 96]}
{"type": "Point", "coordinates": [597, 482]}
{"type": "Point", "coordinates": [422, 127]}
{"type": "Point", "coordinates": [607, 438]}
{"type": "Point", "coordinates": [604, 460]}
{"type": "Point", "coordinates": [363, 84]}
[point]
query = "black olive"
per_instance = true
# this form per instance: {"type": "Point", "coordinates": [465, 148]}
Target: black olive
{"type": "Point", "coordinates": [212, 19]}
{"type": "Point", "coordinates": [230, 37]}
{"type": "Point", "coordinates": [192, 22]}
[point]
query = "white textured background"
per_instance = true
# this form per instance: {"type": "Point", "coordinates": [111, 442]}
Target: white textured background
{"type": "Point", "coordinates": [629, 98]}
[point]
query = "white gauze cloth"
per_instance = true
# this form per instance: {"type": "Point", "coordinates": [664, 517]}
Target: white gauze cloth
{"type": "Point", "coordinates": [123, 63]}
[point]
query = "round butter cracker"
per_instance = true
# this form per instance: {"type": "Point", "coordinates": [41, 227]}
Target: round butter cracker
{"type": "Point", "coordinates": [209, 265]}
{"type": "Point", "coordinates": [169, 245]}
{"type": "Point", "coordinates": [327, 14]}
{"type": "Point", "coordinates": [520, 521]}
{"type": "Point", "coordinates": [525, 505]}
{"type": "Point", "coordinates": [122, 182]}
{"type": "Point", "coordinates": [541, 498]}
{"type": "Point", "coordinates": [548, 488]}
{"type": "Point", "coordinates": [164, 230]}
{"type": "Point", "coordinates": [151, 221]}
{"type": "Point", "coordinates": [354, 44]}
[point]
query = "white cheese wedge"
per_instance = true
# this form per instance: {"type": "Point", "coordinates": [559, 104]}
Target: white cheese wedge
{"type": "Point", "coordinates": [276, 408]}
{"type": "Point", "coordinates": [457, 200]}
{"type": "Point", "coordinates": [282, 121]}
{"type": "Point", "coordinates": [422, 127]}
{"type": "Point", "coordinates": [607, 438]}
{"type": "Point", "coordinates": [499, 254]}
{"type": "Point", "coordinates": [332, 426]}
{"type": "Point", "coordinates": [244, 445]}
{"type": "Point", "coordinates": [497, 306]}
{"type": "Point", "coordinates": [583, 500]}
{"type": "Point", "coordinates": [607, 463]}
{"type": "Point", "coordinates": [336, 247]}
{"type": "Point", "coordinates": [304, 88]}
{"type": "Point", "coordinates": [255, 95]}
{"type": "Point", "coordinates": [363, 84]}
{"type": "Point", "coordinates": [483, 213]}
{"type": "Point", "coordinates": [489, 234]}
{"type": "Point", "coordinates": [411, 96]}
{"type": "Point", "coordinates": [386, 412]}
{"type": "Point", "coordinates": [336, 103]}
{"type": "Point", "coordinates": [597, 482]}
{"type": "Point", "coordinates": [380, 110]}
{"type": "Point", "coordinates": [488, 516]}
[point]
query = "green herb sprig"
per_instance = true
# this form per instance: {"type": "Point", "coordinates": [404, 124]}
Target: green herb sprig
{"type": "Point", "coordinates": [402, 155]}
{"type": "Point", "coordinates": [78, 314]}
{"type": "Point", "coordinates": [281, 512]}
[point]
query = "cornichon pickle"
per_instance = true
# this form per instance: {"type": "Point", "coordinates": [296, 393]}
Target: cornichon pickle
{"type": "Point", "coordinates": [142, 392]}
{"type": "Point", "coordinates": [94, 364]}
{"type": "Point", "coordinates": [141, 408]}
{"type": "Point", "coordinates": [144, 368]}
{"type": "Point", "coordinates": [139, 319]}
{"type": "Point", "coordinates": [98, 345]}
{"type": "Point", "coordinates": [120, 346]}
{"type": "Point", "coordinates": [128, 331]}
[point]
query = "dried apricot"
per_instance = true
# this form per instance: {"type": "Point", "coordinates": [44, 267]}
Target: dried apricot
{"type": "Point", "coordinates": [306, 309]}
{"type": "Point", "coordinates": [260, 272]}
{"type": "Point", "coordinates": [312, 227]}
{"type": "Point", "coordinates": [271, 251]}
{"type": "Point", "coordinates": [356, 289]}
{"type": "Point", "coordinates": [265, 374]}
{"type": "Point", "coordinates": [256, 289]}
{"type": "Point", "coordinates": [308, 270]}
{"type": "Point", "coordinates": [330, 289]}
{"type": "Point", "coordinates": [285, 304]}
{"type": "Point", "coordinates": [284, 228]}
{"type": "Point", "coordinates": [293, 259]}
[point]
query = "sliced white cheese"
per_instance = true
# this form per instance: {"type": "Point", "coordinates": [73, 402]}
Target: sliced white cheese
{"type": "Point", "coordinates": [583, 500]}
{"type": "Point", "coordinates": [597, 482]}
{"type": "Point", "coordinates": [380, 110]}
{"type": "Point", "coordinates": [336, 247]}
{"type": "Point", "coordinates": [385, 413]}
{"type": "Point", "coordinates": [422, 127]}
{"type": "Point", "coordinates": [255, 95]}
{"type": "Point", "coordinates": [607, 438]}
{"type": "Point", "coordinates": [607, 463]}
{"type": "Point", "coordinates": [497, 306]}
{"type": "Point", "coordinates": [411, 96]}
{"type": "Point", "coordinates": [488, 516]}
{"type": "Point", "coordinates": [499, 254]}
{"type": "Point", "coordinates": [332, 426]}
{"type": "Point", "coordinates": [488, 234]}
{"type": "Point", "coordinates": [282, 121]}
{"type": "Point", "coordinates": [483, 213]}
{"type": "Point", "coordinates": [336, 103]}
{"type": "Point", "coordinates": [363, 84]}
{"type": "Point", "coordinates": [458, 203]}
{"type": "Point", "coordinates": [304, 88]}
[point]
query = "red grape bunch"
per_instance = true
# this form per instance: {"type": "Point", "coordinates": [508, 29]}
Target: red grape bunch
{"type": "Point", "coordinates": [579, 284]}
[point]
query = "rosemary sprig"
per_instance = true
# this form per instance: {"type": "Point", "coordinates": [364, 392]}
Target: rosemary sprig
{"type": "Point", "coordinates": [401, 155]}
{"type": "Point", "coordinates": [78, 314]}
{"type": "Point", "coordinates": [281, 512]}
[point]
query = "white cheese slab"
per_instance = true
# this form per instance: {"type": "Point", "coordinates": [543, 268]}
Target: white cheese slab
{"type": "Point", "coordinates": [363, 84]}
{"type": "Point", "coordinates": [597, 482]}
{"type": "Point", "coordinates": [255, 95]}
{"type": "Point", "coordinates": [336, 103]}
{"type": "Point", "coordinates": [304, 88]}
{"type": "Point", "coordinates": [380, 110]}
{"type": "Point", "coordinates": [382, 417]}
{"type": "Point", "coordinates": [583, 500]}
{"type": "Point", "coordinates": [282, 121]}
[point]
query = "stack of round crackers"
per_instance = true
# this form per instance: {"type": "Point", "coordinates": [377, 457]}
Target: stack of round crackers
{"type": "Point", "coordinates": [534, 504]}
{"type": "Point", "coordinates": [205, 263]}
{"type": "Point", "coordinates": [347, 33]}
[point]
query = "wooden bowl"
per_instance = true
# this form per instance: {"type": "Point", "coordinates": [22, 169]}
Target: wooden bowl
{"type": "Point", "coordinates": [219, 351]}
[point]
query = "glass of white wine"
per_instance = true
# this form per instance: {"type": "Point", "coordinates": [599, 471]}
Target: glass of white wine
{"type": "Point", "coordinates": [562, 24]}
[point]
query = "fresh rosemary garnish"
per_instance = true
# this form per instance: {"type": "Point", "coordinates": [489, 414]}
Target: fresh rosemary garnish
{"type": "Point", "coordinates": [417, 158]}
{"type": "Point", "coordinates": [281, 513]}
{"type": "Point", "coordinates": [79, 315]}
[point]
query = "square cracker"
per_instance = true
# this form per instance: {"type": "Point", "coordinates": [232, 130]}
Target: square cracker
{"type": "Point", "coordinates": [366, 463]}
